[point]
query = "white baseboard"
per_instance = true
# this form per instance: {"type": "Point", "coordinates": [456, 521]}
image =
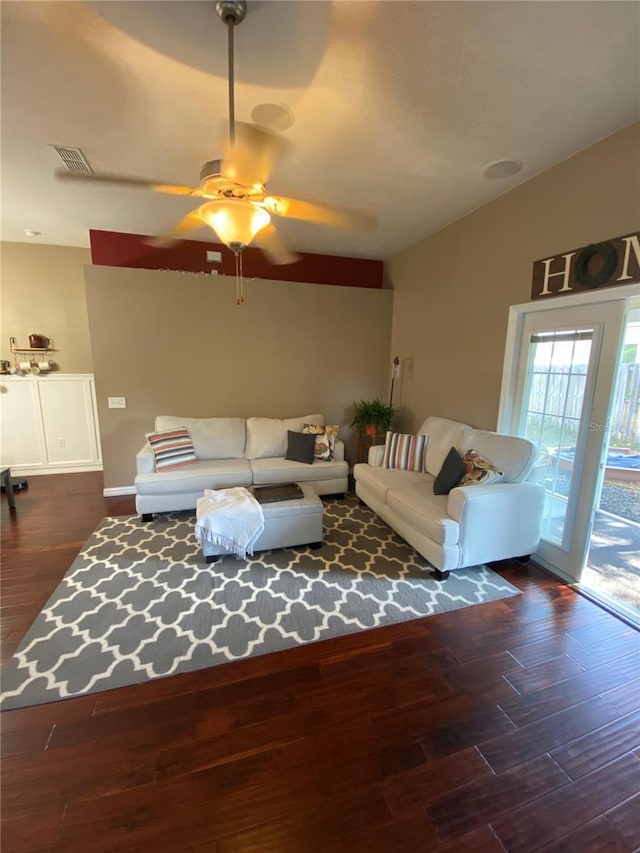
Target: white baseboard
{"type": "Point", "coordinates": [41, 470]}
{"type": "Point", "coordinates": [119, 490]}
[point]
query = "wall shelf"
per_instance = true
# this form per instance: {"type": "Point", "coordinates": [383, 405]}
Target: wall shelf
{"type": "Point", "coordinates": [42, 350]}
{"type": "Point", "coordinates": [16, 350]}
{"type": "Point", "coordinates": [32, 359]}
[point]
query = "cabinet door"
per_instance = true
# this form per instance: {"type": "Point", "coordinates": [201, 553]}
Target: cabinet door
{"type": "Point", "coordinates": [67, 417]}
{"type": "Point", "coordinates": [21, 440]}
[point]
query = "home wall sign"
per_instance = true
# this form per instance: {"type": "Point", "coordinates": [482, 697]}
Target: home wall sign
{"type": "Point", "coordinates": [614, 261]}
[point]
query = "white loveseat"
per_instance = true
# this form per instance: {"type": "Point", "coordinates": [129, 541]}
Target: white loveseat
{"type": "Point", "coordinates": [232, 452]}
{"type": "Point", "coordinates": [472, 524]}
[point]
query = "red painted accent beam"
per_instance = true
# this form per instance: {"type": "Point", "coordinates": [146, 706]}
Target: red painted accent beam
{"type": "Point", "coordinates": [116, 249]}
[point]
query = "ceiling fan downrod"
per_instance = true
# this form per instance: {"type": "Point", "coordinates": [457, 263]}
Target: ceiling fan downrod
{"type": "Point", "coordinates": [231, 13]}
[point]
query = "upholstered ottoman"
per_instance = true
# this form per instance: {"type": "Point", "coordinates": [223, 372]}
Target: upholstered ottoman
{"type": "Point", "coordinates": [286, 524]}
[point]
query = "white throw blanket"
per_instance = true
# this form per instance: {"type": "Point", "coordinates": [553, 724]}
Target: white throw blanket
{"type": "Point", "coordinates": [230, 518]}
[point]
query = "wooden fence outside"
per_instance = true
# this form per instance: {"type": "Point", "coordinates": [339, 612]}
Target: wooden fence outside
{"type": "Point", "coordinates": [560, 394]}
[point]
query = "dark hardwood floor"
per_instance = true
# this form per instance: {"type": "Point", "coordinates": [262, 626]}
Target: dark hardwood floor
{"type": "Point", "coordinates": [512, 726]}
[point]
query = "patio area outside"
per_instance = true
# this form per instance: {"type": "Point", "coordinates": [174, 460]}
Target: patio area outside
{"type": "Point", "coordinates": [613, 562]}
{"type": "Point", "coordinates": [612, 569]}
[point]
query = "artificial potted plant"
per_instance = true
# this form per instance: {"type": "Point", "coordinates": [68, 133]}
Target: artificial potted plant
{"type": "Point", "coordinates": [372, 416]}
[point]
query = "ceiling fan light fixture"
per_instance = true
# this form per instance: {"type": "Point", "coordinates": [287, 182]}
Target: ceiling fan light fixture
{"type": "Point", "coordinates": [235, 221]}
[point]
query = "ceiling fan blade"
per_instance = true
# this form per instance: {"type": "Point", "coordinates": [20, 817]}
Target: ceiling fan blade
{"type": "Point", "coordinates": [190, 222]}
{"type": "Point", "coordinates": [251, 157]}
{"type": "Point", "coordinates": [273, 246]}
{"type": "Point", "coordinates": [125, 181]}
{"type": "Point", "coordinates": [322, 214]}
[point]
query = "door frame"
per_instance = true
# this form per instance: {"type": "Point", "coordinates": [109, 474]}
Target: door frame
{"type": "Point", "coordinates": [511, 372]}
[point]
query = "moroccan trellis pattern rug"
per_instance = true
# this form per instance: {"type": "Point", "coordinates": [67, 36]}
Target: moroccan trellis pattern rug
{"type": "Point", "coordinates": [139, 602]}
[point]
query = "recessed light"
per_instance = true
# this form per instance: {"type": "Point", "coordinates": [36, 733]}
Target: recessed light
{"type": "Point", "coordinates": [29, 232]}
{"type": "Point", "coordinates": [275, 117]}
{"type": "Point", "coordinates": [503, 169]}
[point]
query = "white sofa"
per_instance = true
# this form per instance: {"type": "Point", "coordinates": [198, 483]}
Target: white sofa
{"type": "Point", "coordinates": [472, 524]}
{"type": "Point", "coordinates": [232, 452]}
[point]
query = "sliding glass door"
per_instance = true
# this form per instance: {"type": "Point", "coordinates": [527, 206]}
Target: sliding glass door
{"type": "Point", "coordinates": [612, 570]}
{"type": "Point", "coordinates": [558, 394]}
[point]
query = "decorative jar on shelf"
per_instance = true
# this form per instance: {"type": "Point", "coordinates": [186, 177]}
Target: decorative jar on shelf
{"type": "Point", "coordinates": [38, 341]}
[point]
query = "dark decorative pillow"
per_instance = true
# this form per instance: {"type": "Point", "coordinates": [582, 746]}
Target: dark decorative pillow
{"type": "Point", "coordinates": [172, 449]}
{"type": "Point", "coordinates": [478, 471]}
{"type": "Point", "coordinates": [450, 474]}
{"type": "Point", "coordinates": [300, 447]}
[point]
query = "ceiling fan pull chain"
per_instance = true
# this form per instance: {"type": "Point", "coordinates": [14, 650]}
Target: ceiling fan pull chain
{"type": "Point", "coordinates": [239, 279]}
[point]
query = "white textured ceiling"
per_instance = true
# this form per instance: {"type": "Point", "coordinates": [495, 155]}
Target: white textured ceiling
{"type": "Point", "coordinates": [398, 106]}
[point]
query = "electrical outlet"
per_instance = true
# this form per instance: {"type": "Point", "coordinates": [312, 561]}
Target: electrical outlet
{"type": "Point", "coordinates": [214, 257]}
{"type": "Point", "coordinates": [61, 442]}
{"type": "Point", "coordinates": [117, 402]}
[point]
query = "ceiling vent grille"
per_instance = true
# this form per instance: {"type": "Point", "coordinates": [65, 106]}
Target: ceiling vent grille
{"type": "Point", "coordinates": [74, 160]}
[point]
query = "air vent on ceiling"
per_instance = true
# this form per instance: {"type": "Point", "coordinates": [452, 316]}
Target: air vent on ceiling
{"type": "Point", "coordinates": [74, 160]}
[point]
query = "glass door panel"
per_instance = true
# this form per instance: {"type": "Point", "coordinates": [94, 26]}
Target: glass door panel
{"type": "Point", "coordinates": [612, 571]}
{"type": "Point", "coordinates": [565, 366]}
{"type": "Point", "coordinates": [551, 414]}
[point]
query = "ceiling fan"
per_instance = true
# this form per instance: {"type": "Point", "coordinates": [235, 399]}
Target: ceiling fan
{"type": "Point", "coordinates": [235, 200]}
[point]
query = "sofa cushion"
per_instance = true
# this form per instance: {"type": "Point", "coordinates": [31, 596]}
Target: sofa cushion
{"type": "Point", "coordinates": [419, 507]}
{"type": "Point", "coordinates": [450, 474]}
{"type": "Point", "coordinates": [510, 454]}
{"type": "Point", "coordinates": [267, 437]}
{"type": "Point", "coordinates": [300, 447]}
{"type": "Point", "coordinates": [196, 478]}
{"type": "Point", "coordinates": [213, 438]}
{"type": "Point", "coordinates": [380, 480]}
{"type": "Point", "coordinates": [443, 435]}
{"type": "Point", "coordinates": [279, 470]}
{"type": "Point", "coordinates": [171, 449]}
{"type": "Point", "coordinates": [404, 451]}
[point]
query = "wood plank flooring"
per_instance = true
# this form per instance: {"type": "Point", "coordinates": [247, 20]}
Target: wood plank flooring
{"type": "Point", "coordinates": [512, 726]}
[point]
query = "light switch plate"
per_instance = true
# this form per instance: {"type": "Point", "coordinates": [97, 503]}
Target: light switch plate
{"type": "Point", "coordinates": [214, 257]}
{"type": "Point", "coordinates": [117, 402]}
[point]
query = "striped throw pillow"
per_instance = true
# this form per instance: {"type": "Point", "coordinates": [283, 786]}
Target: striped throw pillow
{"type": "Point", "coordinates": [404, 451]}
{"type": "Point", "coordinates": [172, 449]}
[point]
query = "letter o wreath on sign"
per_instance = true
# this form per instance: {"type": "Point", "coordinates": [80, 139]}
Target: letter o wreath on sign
{"type": "Point", "coordinates": [610, 262]}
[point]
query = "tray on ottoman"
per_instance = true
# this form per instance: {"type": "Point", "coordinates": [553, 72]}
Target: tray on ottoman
{"type": "Point", "coordinates": [277, 492]}
{"type": "Point", "coordinates": [287, 523]}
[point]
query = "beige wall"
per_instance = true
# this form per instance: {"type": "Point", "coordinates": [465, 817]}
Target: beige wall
{"type": "Point", "coordinates": [176, 343]}
{"type": "Point", "coordinates": [43, 292]}
{"type": "Point", "coordinates": [454, 288]}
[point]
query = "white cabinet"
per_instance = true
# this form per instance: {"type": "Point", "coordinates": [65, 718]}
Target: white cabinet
{"type": "Point", "coordinates": [49, 424]}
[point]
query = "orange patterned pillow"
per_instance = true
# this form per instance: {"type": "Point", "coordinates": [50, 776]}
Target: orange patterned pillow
{"type": "Point", "coordinates": [325, 440]}
{"type": "Point", "coordinates": [478, 471]}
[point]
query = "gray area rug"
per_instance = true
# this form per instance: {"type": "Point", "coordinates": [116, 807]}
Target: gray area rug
{"type": "Point", "coordinates": [139, 602]}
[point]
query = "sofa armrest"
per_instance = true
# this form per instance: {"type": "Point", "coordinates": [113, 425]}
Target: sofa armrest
{"type": "Point", "coordinates": [498, 521]}
{"type": "Point", "coordinates": [145, 460]}
{"type": "Point", "coordinates": [376, 452]}
{"type": "Point", "coordinates": [338, 450]}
